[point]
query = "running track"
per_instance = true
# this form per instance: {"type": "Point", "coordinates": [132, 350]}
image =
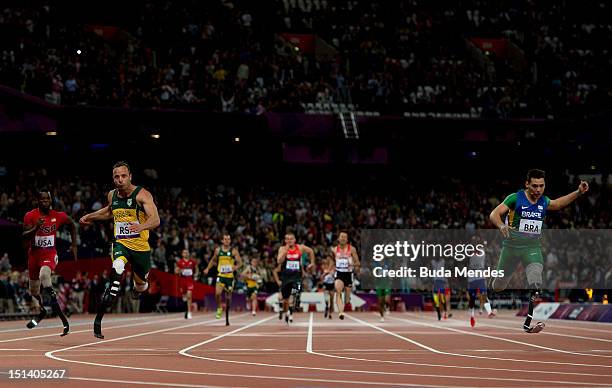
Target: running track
{"type": "Point", "coordinates": [408, 349]}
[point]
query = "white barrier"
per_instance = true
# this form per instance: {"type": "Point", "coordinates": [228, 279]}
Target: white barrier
{"type": "Point", "coordinates": [316, 298]}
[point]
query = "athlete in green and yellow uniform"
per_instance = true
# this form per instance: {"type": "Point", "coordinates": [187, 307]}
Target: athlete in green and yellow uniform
{"type": "Point", "coordinates": [253, 278]}
{"type": "Point", "coordinates": [134, 213]}
{"type": "Point", "coordinates": [522, 232]}
{"type": "Point", "coordinates": [227, 260]}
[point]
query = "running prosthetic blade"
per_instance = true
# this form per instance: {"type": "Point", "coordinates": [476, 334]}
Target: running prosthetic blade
{"type": "Point", "coordinates": [36, 320]}
{"type": "Point", "coordinates": [538, 327]}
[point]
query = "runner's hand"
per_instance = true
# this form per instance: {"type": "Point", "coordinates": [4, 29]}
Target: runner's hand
{"type": "Point", "coordinates": [40, 222]}
{"type": "Point", "coordinates": [583, 187]}
{"type": "Point", "coordinates": [83, 220]}
{"type": "Point", "coordinates": [505, 230]}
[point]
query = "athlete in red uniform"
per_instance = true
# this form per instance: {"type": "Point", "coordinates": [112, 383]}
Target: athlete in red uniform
{"type": "Point", "coordinates": [186, 268]}
{"type": "Point", "coordinates": [39, 229]}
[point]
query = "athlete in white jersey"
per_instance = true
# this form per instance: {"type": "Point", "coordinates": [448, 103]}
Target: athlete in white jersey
{"type": "Point", "coordinates": [346, 262]}
{"type": "Point", "coordinates": [477, 287]}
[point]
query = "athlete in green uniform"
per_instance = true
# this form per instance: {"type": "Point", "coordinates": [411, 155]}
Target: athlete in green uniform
{"type": "Point", "coordinates": [134, 213]}
{"type": "Point", "coordinates": [526, 210]}
{"type": "Point", "coordinates": [228, 261]}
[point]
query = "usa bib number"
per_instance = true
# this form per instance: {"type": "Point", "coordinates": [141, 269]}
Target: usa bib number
{"type": "Point", "coordinates": [226, 268]}
{"type": "Point", "coordinates": [187, 272]}
{"type": "Point", "coordinates": [44, 241]}
{"type": "Point", "coordinates": [293, 265]}
{"type": "Point", "coordinates": [122, 230]}
{"type": "Point", "coordinates": [342, 264]}
{"type": "Point", "coordinates": [530, 226]}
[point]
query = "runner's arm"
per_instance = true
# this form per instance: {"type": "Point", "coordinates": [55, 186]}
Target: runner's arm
{"type": "Point", "coordinates": [102, 214]}
{"type": "Point", "coordinates": [356, 261]}
{"type": "Point", "coordinates": [29, 228]}
{"type": "Point", "coordinates": [238, 262]}
{"type": "Point", "coordinates": [561, 202]}
{"type": "Point", "coordinates": [282, 255]}
{"type": "Point", "coordinates": [311, 256]}
{"type": "Point", "coordinates": [212, 262]}
{"type": "Point", "coordinates": [73, 236]}
{"type": "Point", "coordinates": [146, 200]}
{"type": "Point", "coordinates": [275, 272]}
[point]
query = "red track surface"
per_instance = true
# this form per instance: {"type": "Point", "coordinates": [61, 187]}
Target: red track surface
{"type": "Point", "coordinates": [406, 350]}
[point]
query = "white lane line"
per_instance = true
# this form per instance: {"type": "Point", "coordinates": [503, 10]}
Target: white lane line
{"type": "Point", "coordinates": [105, 341]}
{"type": "Point", "coordinates": [17, 350]}
{"type": "Point", "coordinates": [516, 326]}
{"type": "Point", "coordinates": [184, 372]}
{"type": "Point", "coordinates": [564, 324]}
{"type": "Point", "coordinates": [164, 384]}
{"type": "Point", "coordinates": [184, 351]}
{"type": "Point", "coordinates": [309, 340]}
{"type": "Point", "coordinates": [80, 323]}
{"type": "Point", "coordinates": [501, 339]}
{"type": "Point", "coordinates": [546, 332]}
{"type": "Point", "coordinates": [90, 330]}
{"type": "Point", "coordinates": [471, 355]}
{"type": "Point", "coordinates": [455, 376]}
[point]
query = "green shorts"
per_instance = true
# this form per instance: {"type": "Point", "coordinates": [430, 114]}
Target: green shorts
{"type": "Point", "coordinates": [140, 261]}
{"type": "Point", "coordinates": [509, 258]}
{"type": "Point", "coordinates": [228, 283]}
{"type": "Point", "coordinates": [251, 291]}
{"type": "Point", "coordinates": [383, 292]}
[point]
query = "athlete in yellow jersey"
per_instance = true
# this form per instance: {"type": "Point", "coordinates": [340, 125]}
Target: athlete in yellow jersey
{"type": "Point", "coordinates": [133, 213]}
{"type": "Point", "coordinates": [227, 260]}
{"type": "Point", "coordinates": [253, 279]}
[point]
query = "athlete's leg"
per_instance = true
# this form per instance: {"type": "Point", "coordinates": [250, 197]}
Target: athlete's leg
{"type": "Point", "coordinates": [534, 279]}
{"type": "Point", "coordinates": [347, 296]}
{"type": "Point", "coordinates": [280, 304]}
{"type": "Point", "coordinates": [189, 295]}
{"type": "Point", "coordinates": [228, 304]}
{"type": "Point", "coordinates": [381, 302]}
{"type": "Point", "coordinates": [471, 294]}
{"type": "Point", "coordinates": [339, 285]}
{"type": "Point", "coordinates": [388, 301]}
{"type": "Point", "coordinates": [50, 298]}
{"type": "Point", "coordinates": [436, 300]}
{"type": "Point", "coordinates": [254, 302]}
{"type": "Point", "coordinates": [110, 294]}
{"type": "Point", "coordinates": [447, 301]}
{"type": "Point", "coordinates": [218, 292]}
{"type": "Point", "coordinates": [35, 292]}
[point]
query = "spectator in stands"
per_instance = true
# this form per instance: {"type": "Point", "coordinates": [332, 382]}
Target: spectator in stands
{"type": "Point", "coordinates": [78, 291]}
{"type": "Point", "coordinates": [5, 263]}
{"type": "Point", "coordinates": [160, 257]}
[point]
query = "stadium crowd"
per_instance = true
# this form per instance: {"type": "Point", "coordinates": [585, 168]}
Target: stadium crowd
{"type": "Point", "coordinates": [391, 57]}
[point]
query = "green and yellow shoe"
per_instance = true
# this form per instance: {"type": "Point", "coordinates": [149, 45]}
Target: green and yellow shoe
{"type": "Point", "coordinates": [219, 312]}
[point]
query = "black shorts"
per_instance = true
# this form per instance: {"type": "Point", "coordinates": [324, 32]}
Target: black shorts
{"type": "Point", "coordinates": [289, 284]}
{"type": "Point", "coordinates": [346, 277]}
{"type": "Point", "coordinates": [329, 286]}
